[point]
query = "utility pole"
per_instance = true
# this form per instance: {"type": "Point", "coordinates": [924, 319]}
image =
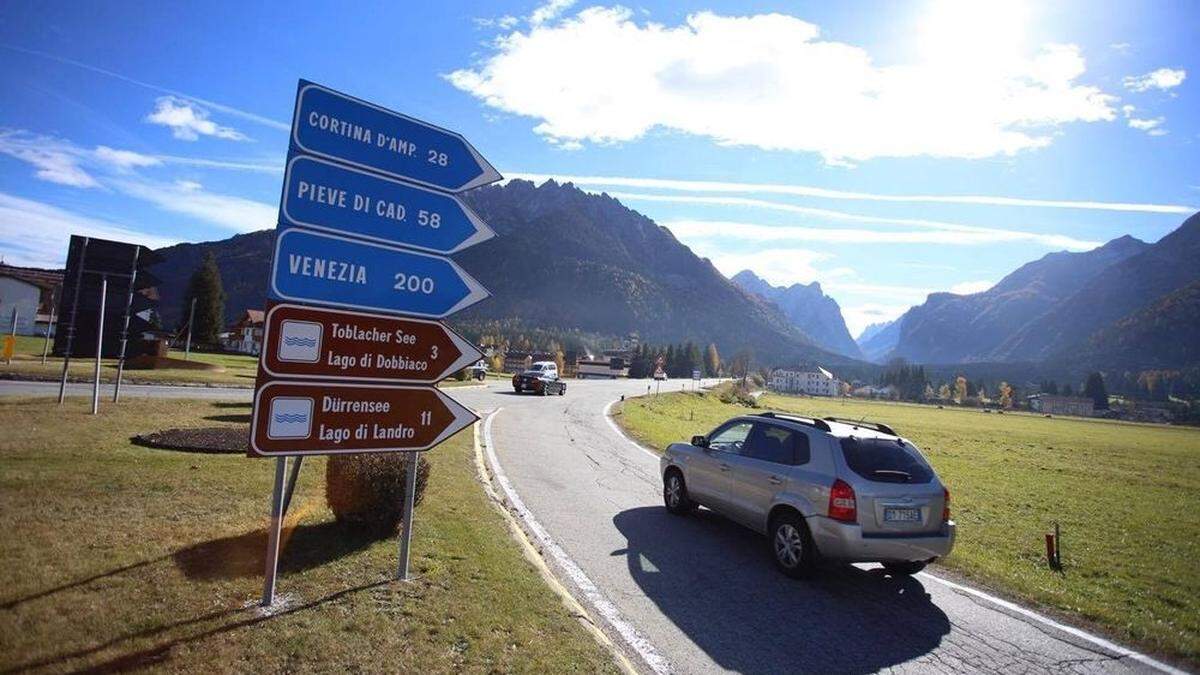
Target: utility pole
{"type": "Point", "coordinates": [187, 349]}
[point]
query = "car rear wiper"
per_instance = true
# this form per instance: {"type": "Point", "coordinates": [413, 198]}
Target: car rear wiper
{"type": "Point", "coordinates": [894, 472]}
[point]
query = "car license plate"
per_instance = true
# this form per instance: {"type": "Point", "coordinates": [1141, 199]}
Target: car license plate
{"type": "Point", "coordinates": [893, 515]}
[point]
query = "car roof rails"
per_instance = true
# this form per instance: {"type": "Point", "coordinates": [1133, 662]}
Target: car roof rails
{"type": "Point", "coordinates": [877, 426]}
{"type": "Point", "coordinates": [806, 421]}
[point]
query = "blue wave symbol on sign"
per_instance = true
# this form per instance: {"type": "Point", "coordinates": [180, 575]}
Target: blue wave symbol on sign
{"type": "Point", "coordinates": [299, 341]}
{"type": "Point", "coordinates": [284, 418]}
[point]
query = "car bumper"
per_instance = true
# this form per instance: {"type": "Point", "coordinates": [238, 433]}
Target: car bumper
{"type": "Point", "coordinates": [845, 541]}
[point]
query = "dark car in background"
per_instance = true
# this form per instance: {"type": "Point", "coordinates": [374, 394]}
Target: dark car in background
{"type": "Point", "coordinates": [541, 378]}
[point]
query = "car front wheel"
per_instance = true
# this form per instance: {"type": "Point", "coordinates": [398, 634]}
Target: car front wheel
{"type": "Point", "coordinates": [675, 494]}
{"type": "Point", "coordinates": [791, 546]}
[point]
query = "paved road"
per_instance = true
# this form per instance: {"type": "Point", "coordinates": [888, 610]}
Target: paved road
{"type": "Point", "coordinates": [700, 591]}
{"type": "Point", "coordinates": [24, 388]}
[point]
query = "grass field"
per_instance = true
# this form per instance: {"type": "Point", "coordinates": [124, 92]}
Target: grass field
{"type": "Point", "coordinates": [238, 369]}
{"type": "Point", "coordinates": [118, 557]}
{"type": "Point", "coordinates": [1127, 497]}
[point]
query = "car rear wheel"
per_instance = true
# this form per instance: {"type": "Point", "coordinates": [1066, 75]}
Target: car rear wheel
{"type": "Point", "coordinates": [792, 546]}
{"type": "Point", "coordinates": [906, 569]}
{"type": "Point", "coordinates": [675, 494]}
{"type": "Point", "coordinates": [562, 389]}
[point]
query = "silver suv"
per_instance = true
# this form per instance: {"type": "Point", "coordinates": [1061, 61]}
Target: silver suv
{"type": "Point", "coordinates": [818, 488]}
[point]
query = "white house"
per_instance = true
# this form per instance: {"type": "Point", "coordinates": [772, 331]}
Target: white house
{"type": "Point", "coordinates": [813, 381]}
{"type": "Point", "coordinates": [245, 336]}
{"type": "Point", "coordinates": [31, 293]}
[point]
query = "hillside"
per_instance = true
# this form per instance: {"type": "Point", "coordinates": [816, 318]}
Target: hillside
{"type": "Point", "coordinates": [562, 259]}
{"type": "Point", "coordinates": [950, 328]}
{"type": "Point", "coordinates": [808, 308]}
{"type": "Point", "coordinates": [1164, 334]}
{"type": "Point", "coordinates": [1124, 288]}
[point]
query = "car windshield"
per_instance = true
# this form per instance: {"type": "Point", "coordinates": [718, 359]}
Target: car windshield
{"type": "Point", "coordinates": [885, 460]}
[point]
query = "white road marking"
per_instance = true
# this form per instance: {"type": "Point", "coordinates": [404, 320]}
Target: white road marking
{"type": "Point", "coordinates": [591, 593]}
{"type": "Point", "coordinates": [1124, 652]}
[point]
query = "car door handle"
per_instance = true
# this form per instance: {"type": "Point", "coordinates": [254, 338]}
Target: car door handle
{"type": "Point", "coordinates": [775, 480]}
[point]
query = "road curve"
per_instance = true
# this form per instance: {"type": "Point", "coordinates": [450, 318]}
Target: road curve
{"type": "Point", "coordinates": [703, 592]}
{"type": "Point", "coordinates": [699, 594]}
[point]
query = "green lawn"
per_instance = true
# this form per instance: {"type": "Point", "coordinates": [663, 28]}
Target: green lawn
{"type": "Point", "coordinates": [118, 557]}
{"type": "Point", "coordinates": [1127, 497]}
{"type": "Point", "coordinates": [236, 369]}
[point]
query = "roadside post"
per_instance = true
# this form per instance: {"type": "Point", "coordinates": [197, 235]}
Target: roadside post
{"type": "Point", "coordinates": [46, 344]}
{"type": "Point", "coordinates": [187, 347]}
{"type": "Point", "coordinates": [70, 337]}
{"type": "Point", "coordinates": [99, 345]}
{"type": "Point", "coordinates": [125, 324]}
{"type": "Point", "coordinates": [10, 340]}
{"type": "Point", "coordinates": [352, 345]}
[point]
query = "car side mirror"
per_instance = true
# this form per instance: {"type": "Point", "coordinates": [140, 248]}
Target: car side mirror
{"type": "Point", "coordinates": [700, 441]}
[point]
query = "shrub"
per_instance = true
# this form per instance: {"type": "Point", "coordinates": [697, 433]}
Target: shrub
{"type": "Point", "coordinates": [367, 491]}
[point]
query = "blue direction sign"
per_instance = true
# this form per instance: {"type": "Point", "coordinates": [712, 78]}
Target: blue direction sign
{"type": "Point", "coordinates": [340, 127]}
{"type": "Point", "coordinates": [341, 272]}
{"type": "Point", "coordinates": [335, 198]}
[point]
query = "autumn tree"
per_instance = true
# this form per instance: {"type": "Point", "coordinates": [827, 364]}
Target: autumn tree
{"type": "Point", "coordinates": [1005, 395]}
{"type": "Point", "coordinates": [944, 392]}
{"type": "Point", "coordinates": [960, 389]}
{"type": "Point", "coordinates": [712, 361]}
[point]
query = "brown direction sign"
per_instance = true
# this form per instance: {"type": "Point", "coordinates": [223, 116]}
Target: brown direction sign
{"type": "Point", "coordinates": [323, 418]}
{"type": "Point", "coordinates": [311, 343]}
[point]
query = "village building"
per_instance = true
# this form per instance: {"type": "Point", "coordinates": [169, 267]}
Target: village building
{"type": "Point", "coordinates": [32, 293]}
{"type": "Point", "coordinates": [814, 381]}
{"type": "Point", "coordinates": [1051, 404]}
{"type": "Point", "coordinates": [245, 336]}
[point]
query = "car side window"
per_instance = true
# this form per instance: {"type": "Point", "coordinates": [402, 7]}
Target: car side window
{"type": "Point", "coordinates": [778, 445]}
{"type": "Point", "coordinates": [730, 438]}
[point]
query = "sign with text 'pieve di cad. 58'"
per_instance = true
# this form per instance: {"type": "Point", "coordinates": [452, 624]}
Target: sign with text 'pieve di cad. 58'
{"type": "Point", "coordinates": [336, 126]}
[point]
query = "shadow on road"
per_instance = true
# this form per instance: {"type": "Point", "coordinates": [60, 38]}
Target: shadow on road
{"type": "Point", "coordinates": [715, 580]}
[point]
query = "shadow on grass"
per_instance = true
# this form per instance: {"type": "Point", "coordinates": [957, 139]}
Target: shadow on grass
{"type": "Point", "coordinates": [303, 547]}
{"type": "Point", "coordinates": [233, 404]}
{"type": "Point", "coordinates": [160, 653]}
{"type": "Point", "coordinates": [239, 419]}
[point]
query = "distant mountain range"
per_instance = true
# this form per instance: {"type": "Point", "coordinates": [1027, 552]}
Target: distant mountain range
{"type": "Point", "coordinates": [808, 308]}
{"type": "Point", "coordinates": [1127, 304]}
{"type": "Point", "coordinates": [563, 259]}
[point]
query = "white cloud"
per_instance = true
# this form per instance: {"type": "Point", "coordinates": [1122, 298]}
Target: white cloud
{"type": "Point", "coordinates": [189, 198]}
{"type": "Point", "coordinates": [124, 160]}
{"type": "Point", "coordinates": [770, 81]}
{"type": "Point", "coordinates": [692, 230]}
{"type": "Point", "coordinates": [37, 233]}
{"type": "Point", "coordinates": [188, 122]}
{"type": "Point", "coordinates": [825, 193]}
{"type": "Point", "coordinates": [1121, 48]}
{"type": "Point", "coordinates": [779, 266]}
{"type": "Point", "coordinates": [1163, 79]}
{"type": "Point", "coordinates": [1151, 126]}
{"type": "Point", "coordinates": [549, 11]}
{"type": "Point", "coordinates": [54, 160]}
{"type": "Point", "coordinates": [971, 287]}
{"type": "Point", "coordinates": [985, 234]}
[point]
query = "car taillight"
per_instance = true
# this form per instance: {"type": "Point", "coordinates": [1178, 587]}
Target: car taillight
{"type": "Point", "coordinates": [842, 505]}
{"type": "Point", "coordinates": [945, 505]}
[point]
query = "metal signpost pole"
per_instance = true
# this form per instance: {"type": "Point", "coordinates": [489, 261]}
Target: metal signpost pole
{"type": "Point", "coordinates": [410, 498]}
{"type": "Point", "coordinates": [12, 334]}
{"type": "Point", "coordinates": [99, 345]}
{"type": "Point", "coordinates": [273, 533]}
{"type": "Point", "coordinates": [62, 386]}
{"type": "Point", "coordinates": [187, 349]}
{"type": "Point", "coordinates": [125, 327]}
{"type": "Point", "coordinates": [46, 344]}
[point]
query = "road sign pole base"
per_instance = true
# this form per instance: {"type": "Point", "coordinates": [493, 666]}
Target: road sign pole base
{"type": "Point", "coordinates": [273, 533]}
{"type": "Point", "coordinates": [410, 498]}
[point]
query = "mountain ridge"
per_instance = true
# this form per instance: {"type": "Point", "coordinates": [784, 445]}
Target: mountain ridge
{"type": "Point", "coordinates": [808, 308]}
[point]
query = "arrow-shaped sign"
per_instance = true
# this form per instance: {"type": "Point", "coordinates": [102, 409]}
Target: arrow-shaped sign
{"type": "Point", "coordinates": [293, 418]}
{"type": "Point", "coordinates": [342, 272]}
{"type": "Point", "coordinates": [333, 125]}
{"type": "Point", "coordinates": [334, 198]}
{"type": "Point", "coordinates": [325, 344]}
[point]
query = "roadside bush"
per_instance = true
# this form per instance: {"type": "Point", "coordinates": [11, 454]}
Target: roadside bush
{"type": "Point", "coordinates": [735, 394]}
{"type": "Point", "coordinates": [367, 491]}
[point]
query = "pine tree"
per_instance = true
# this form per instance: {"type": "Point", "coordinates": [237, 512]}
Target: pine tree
{"type": "Point", "coordinates": [1095, 390]}
{"type": "Point", "coordinates": [205, 287]}
{"type": "Point", "coordinates": [694, 359]}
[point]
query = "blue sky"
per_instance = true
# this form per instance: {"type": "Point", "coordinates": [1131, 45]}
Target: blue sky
{"type": "Point", "coordinates": [887, 150]}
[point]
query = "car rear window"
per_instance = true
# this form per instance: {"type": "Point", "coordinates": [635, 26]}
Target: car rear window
{"type": "Point", "coordinates": [885, 460]}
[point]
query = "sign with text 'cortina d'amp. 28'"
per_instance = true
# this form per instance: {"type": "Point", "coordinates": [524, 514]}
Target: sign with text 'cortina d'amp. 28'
{"type": "Point", "coordinates": [345, 272]}
{"type": "Point", "coordinates": [326, 196]}
{"type": "Point", "coordinates": [336, 126]}
{"type": "Point", "coordinates": [325, 344]}
{"type": "Point", "coordinates": [322, 418]}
